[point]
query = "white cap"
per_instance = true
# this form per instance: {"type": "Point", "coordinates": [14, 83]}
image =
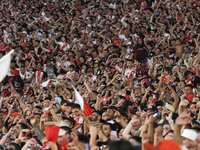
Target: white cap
{"type": "Point", "coordinates": [189, 134]}
{"type": "Point", "coordinates": [170, 107]}
{"type": "Point", "coordinates": [89, 25]}
{"type": "Point", "coordinates": [62, 124]}
{"type": "Point", "coordinates": [24, 32]}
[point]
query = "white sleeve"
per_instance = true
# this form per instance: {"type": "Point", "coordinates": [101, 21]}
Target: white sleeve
{"type": "Point", "coordinates": [68, 46]}
{"type": "Point", "coordinates": [124, 23]}
{"type": "Point", "coordinates": [60, 43]}
{"type": "Point", "coordinates": [125, 72]}
{"type": "Point", "coordinates": [121, 36]}
{"type": "Point", "coordinates": [80, 120]}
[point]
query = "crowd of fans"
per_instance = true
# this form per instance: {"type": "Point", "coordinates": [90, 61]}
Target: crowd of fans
{"type": "Point", "coordinates": [134, 62]}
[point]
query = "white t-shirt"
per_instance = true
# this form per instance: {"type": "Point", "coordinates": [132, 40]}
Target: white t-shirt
{"type": "Point", "coordinates": [64, 46]}
{"type": "Point", "coordinates": [25, 76]}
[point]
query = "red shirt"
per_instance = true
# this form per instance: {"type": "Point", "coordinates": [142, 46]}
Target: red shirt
{"type": "Point", "coordinates": [117, 43]}
{"type": "Point", "coordinates": [63, 145]}
{"type": "Point", "coordinates": [190, 97]}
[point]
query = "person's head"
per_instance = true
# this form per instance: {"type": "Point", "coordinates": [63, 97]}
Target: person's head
{"type": "Point", "coordinates": [75, 109]}
{"type": "Point", "coordinates": [37, 116]}
{"type": "Point", "coordinates": [140, 41]}
{"type": "Point", "coordinates": [22, 69]}
{"type": "Point", "coordinates": [70, 121]}
{"type": "Point", "coordinates": [37, 109]}
{"type": "Point", "coordinates": [107, 129]}
{"type": "Point", "coordinates": [193, 108]}
{"type": "Point", "coordinates": [63, 105]}
{"type": "Point", "coordinates": [129, 64]}
{"type": "Point", "coordinates": [69, 107]}
{"type": "Point", "coordinates": [157, 52]}
{"type": "Point", "coordinates": [29, 106]}
{"type": "Point", "coordinates": [96, 114]}
{"type": "Point", "coordinates": [13, 146]}
{"type": "Point", "coordinates": [189, 137]}
{"type": "Point", "coordinates": [187, 74]}
{"type": "Point", "coordinates": [137, 62]}
{"type": "Point", "coordinates": [171, 61]}
{"type": "Point", "coordinates": [105, 116]}
{"type": "Point", "coordinates": [167, 71]}
{"type": "Point", "coordinates": [95, 53]}
{"type": "Point", "coordinates": [121, 145]}
{"type": "Point", "coordinates": [18, 127]}
{"type": "Point", "coordinates": [178, 41]}
{"type": "Point", "coordinates": [188, 89]}
{"type": "Point", "coordinates": [39, 66]}
{"type": "Point", "coordinates": [167, 127]}
{"type": "Point", "coordinates": [135, 140]}
{"type": "Point", "coordinates": [110, 113]}
{"type": "Point", "coordinates": [47, 102]}
{"type": "Point", "coordinates": [67, 134]}
{"type": "Point", "coordinates": [71, 68]}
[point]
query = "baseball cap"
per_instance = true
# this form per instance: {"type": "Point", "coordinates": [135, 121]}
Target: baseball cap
{"type": "Point", "coordinates": [170, 107]}
{"type": "Point", "coordinates": [115, 97]}
{"type": "Point", "coordinates": [189, 134]}
{"type": "Point", "coordinates": [62, 124]}
{"type": "Point", "coordinates": [163, 145]}
{"type": "Point", "coordinates": [24, 32]}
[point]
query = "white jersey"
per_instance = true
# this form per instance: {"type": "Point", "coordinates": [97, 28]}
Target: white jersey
{"type": "Point", "coordinates": [25, 76]}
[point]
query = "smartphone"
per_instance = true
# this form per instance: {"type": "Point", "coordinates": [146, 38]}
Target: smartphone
{"type": "Point", "coordinates": [114, 133]}
{"type": "Point", "coordinates": [95, 119]}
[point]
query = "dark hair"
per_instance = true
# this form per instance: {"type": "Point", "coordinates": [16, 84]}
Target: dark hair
{"type": "Point", "coordinates": [138, 60]}
{"type": "Point", "coordinates": [106, 123]}
{"type": "Point", "coordinates": [168, 69]}
{"type": "Point", "coordinates": [71, 66]}
{"type": "Point", "coordinates": [121, 145]}
{"type": "Point", "coordinates": [189, 85]}
{"type": "Point", "coordinates": [66, 129]}
{"type": "Point", "coordinates": [38, 107]}
{"type": "Point", "coordinates": [76, 106]}
{"type": "Point", "coordinates": [63, 102]}
{"type": "Point", "coordinates": [83, 138]}
{"type": "Point", "coordinates": [17, 147]}
{"type": "Point", "coordinates": [98, 112]}
{"type": "Point", "coordinates": [69, 104]}
{"type": "Point", "coordinates": [37, 114]}
{"type": "Point", "coordinates": [23, 126]}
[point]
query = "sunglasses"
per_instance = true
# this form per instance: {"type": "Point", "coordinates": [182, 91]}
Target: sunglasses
{"type": "Point", "coordinates": [179, 92]}
{"type": "Point", "coordinates": [103, 146]}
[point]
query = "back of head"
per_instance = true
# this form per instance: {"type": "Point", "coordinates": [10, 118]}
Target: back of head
{"type": "Point", "coordinates": [121, 145]}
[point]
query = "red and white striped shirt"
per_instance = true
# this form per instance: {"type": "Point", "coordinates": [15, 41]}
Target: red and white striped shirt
{"type": "Point", "coordinates": [130, 73]}
{"type": "Point", "coordinates": [39, 76]}
{"type": "Point", "coordinates": [64, 46]}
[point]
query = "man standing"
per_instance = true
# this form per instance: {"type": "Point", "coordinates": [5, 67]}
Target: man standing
{"type": "Point", "coordinates": [141, 72]}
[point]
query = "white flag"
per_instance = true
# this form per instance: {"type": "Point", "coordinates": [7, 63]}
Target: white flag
{"type": "Point", "coordinates": [79, 98]}
{"type": "Point", "coordinates": [54, 81]}
{"type": "Point", "coordinates": [84, 106]}
{"type": "Point", "coordinates": [5, 64]}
